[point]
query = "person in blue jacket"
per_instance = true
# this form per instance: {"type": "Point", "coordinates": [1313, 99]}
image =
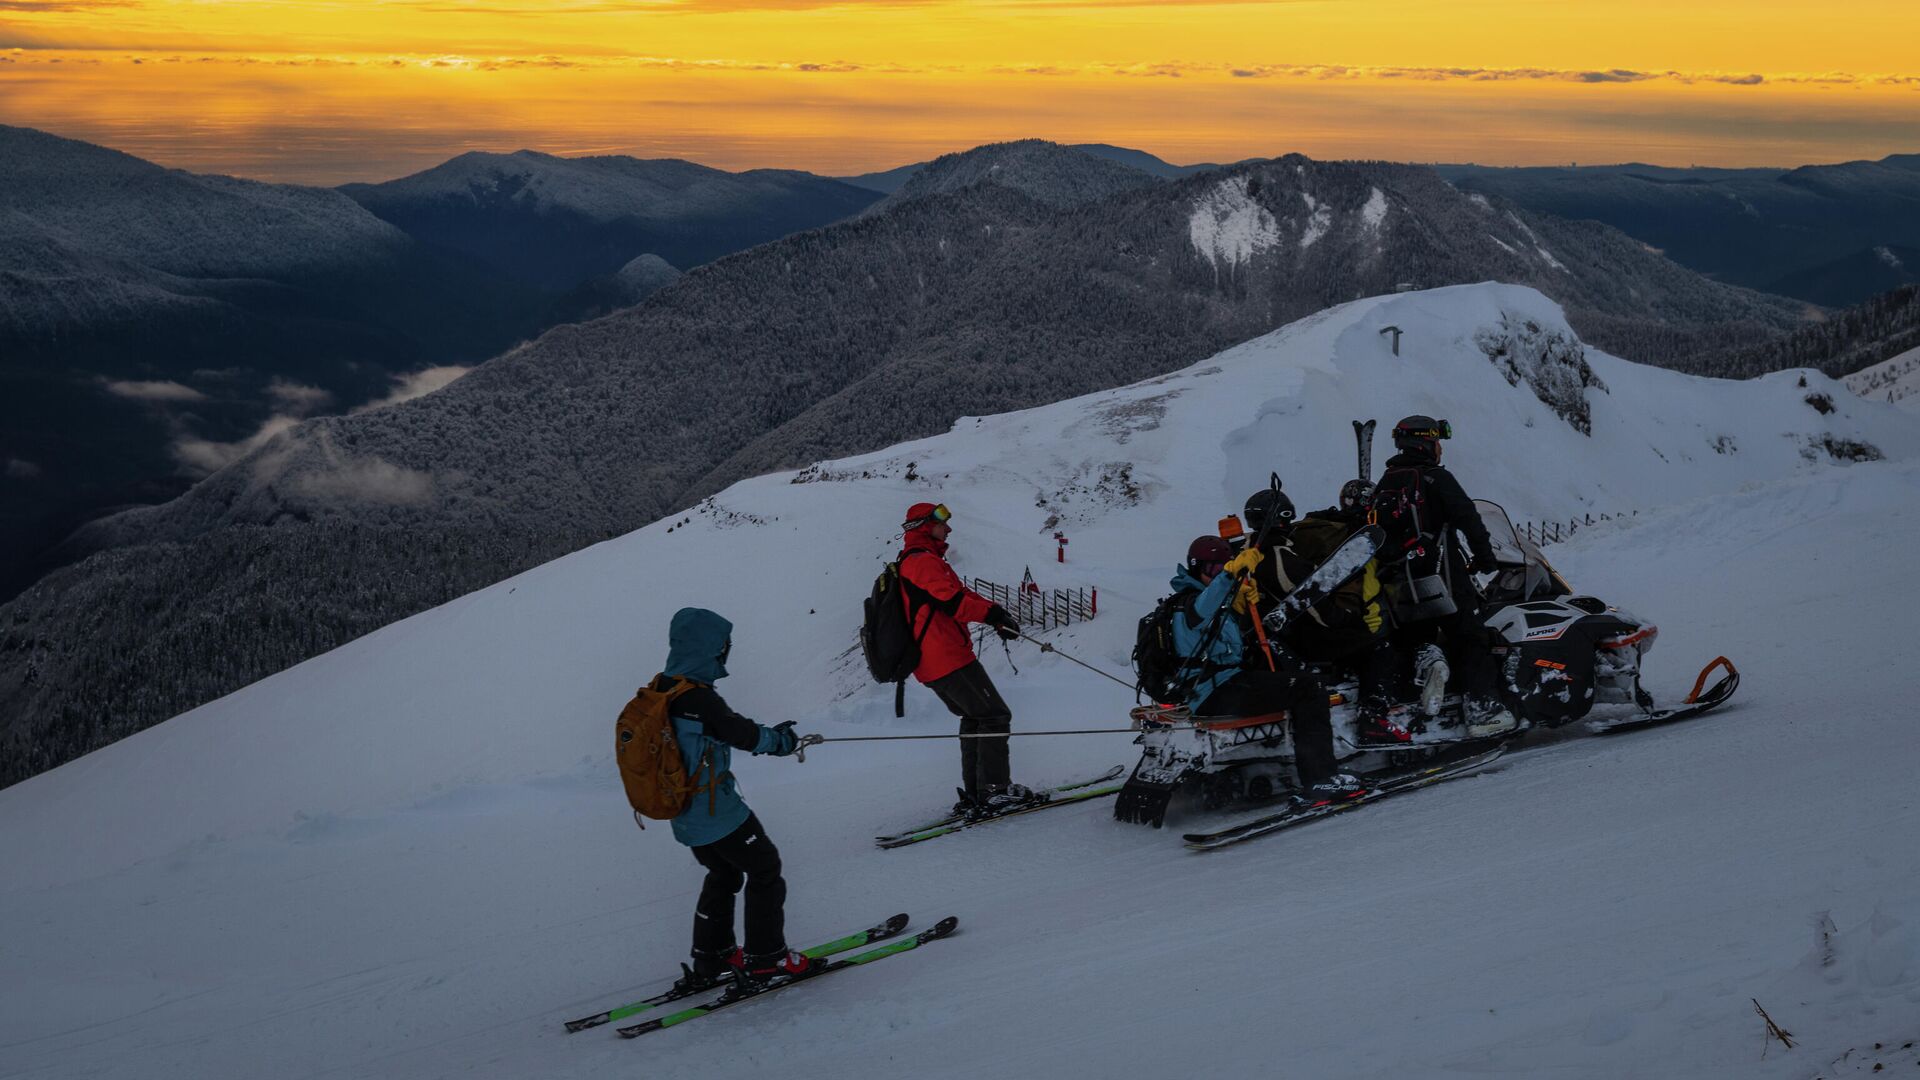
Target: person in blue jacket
{"type": "Point", "coordinates": [724, 834]}
{"type": "Point", "coordinates": [1229, 680]}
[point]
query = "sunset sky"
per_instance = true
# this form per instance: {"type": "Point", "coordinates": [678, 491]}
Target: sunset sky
{"type": "Point", "coordinates": [325, 91]}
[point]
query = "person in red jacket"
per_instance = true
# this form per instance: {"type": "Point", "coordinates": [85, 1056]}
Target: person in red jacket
{"type": "Point", "coordinates": [943, 606]}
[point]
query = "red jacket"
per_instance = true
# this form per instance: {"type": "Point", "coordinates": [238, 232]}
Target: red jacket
{"type": "Point", "coordinates": [946, 648]}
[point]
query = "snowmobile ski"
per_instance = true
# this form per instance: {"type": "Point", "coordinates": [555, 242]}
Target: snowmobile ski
{"type": "Point", "coordinates": [1379, 788]}
{"type": "Point", "coordinates": [1054, 794]}
{"type": "Point", "coordinates": [739, 993]}
{"type": "Point", "coordinates": [1695, 703]}
{"type": "Point", "coordinates": [871, 934]}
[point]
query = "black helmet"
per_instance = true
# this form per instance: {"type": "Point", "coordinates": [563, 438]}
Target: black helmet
{"type": "Point", "coordinates": [1208, 552]}
{"type": "Point", "coordinates": [1356, 495]}
{"type": "Point", "coordinates": [1421, 434]}
{"type": "Point", "coordinates": [1269, 502]}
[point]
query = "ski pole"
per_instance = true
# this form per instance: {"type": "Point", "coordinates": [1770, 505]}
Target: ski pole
{"type": "Point", "coordinates": [800, 751]}
{"type": "Point", "coordinates": [1048, 646]}
{"type": "Point", "coordinates": [986, 735]}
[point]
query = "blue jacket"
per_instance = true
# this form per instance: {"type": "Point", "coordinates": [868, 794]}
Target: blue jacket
{"type": "Point", "coordinates": [698, 641]}
{"type": "Point", "coordinates": [1190, 631]}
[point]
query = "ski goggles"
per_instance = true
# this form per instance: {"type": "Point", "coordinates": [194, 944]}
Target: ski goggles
{"type": "Point", "coordinates": [940, 513]}
{"type": "Point", "coordinates": [1439, 429]}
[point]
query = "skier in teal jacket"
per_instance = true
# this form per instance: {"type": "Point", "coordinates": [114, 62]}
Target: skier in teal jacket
{"type": "Point", "coordinates": [724, 834]}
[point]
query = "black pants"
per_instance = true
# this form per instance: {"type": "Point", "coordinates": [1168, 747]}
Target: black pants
{"type": "Point", "coordinates": [1253, 692]}
{"type": "Point", "coordinates": [1370, 656]}
{"type": "Point", "coordinates": [743, 856]}
{"type": "Point", "coordinates": [970, 695]}
{"type": "Point", "coordinates": [1468, 645]}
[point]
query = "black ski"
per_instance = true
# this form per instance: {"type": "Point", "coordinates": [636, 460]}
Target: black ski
{"type": "Point", "coordinates": [1696, 703]}
{"type": "Point", "coordinates": [1108, 784]}
{"type": "Point", "coordinates": [1073, 791]}
{"type": "Point", "coordinates": [1363, 447]}
{"type": "Point", "coordinates": [871, 934]}
{"type": "Point", "coordinates": [740, 993]}
{"type": "Point", "coordinates": [1379, 788]}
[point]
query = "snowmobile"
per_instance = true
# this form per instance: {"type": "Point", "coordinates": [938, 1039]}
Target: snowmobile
{"type": "Point", "coordinates": [1561, 654]}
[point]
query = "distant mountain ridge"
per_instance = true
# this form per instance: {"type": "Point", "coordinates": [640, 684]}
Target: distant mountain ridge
{"type": "Point", "coordinates": [152, 319]}
{"type": "Point", "coordinates": [555, 222]}
{"type": "Point", "coordinates": [972, 299]}
{"type": "Point", "coordinates": [1848, 341]}
{"type": "Point", "coordinates": [1042, 171]}
{"type": "Point", "coordinates": [1808, 232]}
{"type": "Point", "coordinates": [889, 181]}
{"type": "Point", "coordinates": [142, 306]}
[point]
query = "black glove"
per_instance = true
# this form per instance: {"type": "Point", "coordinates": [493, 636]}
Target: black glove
{"type": "Point", "coordinates": [1004, 624]}
{"type": "Point", "coordinates": [1478, 565]}
{"type": "Point", "coordinates": [784, 739]}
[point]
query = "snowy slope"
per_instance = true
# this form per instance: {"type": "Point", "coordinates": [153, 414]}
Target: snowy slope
{"type": "Point", "coordinates": [409, 857]}
{"type": "Point", "coordinates": [1896, 379]}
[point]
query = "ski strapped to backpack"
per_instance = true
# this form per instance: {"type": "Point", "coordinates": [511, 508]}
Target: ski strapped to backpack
{"type": "Point", "coordinates": [887, 637]}
{"type": "Point", "coordinates": [651, 766]}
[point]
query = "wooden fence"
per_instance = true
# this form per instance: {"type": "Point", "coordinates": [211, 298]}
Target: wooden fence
{"type": "Point", "coordinates": [1552, 532]}
{"type": "Point", "coordinates": [1039, 609]}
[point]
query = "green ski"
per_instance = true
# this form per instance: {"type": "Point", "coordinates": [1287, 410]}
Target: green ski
{"type": "Point", "coordinates": [868, 936]}
{"type": "Point", "coordinates": [739, 993]}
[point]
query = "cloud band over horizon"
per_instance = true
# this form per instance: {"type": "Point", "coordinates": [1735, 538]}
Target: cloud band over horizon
{"type": "Point", "coordinates": [302, 90]}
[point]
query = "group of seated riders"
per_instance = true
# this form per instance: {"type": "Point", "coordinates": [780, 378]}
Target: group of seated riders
{"type": "Point", "coordinates": [1367, 627]}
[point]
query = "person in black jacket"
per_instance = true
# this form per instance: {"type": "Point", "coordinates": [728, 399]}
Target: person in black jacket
{"type": "Point", "coordinates": [1347, 628]}
{"type": "Point", "coordinates": [1426, 513]}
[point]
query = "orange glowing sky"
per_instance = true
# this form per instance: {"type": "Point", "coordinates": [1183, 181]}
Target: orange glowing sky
{"type": "Point", "coordinates": [325, 91]}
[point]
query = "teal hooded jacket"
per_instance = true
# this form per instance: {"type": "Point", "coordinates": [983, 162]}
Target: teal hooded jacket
{"type": "Point", "coordinates": [1225, 651]}
{"type": "Point", "coordinates": [697, 644]}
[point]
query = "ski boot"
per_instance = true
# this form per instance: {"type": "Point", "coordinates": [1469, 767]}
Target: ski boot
{"type": "Point", "coordinates": [708, 970]}
{"type": "Point", "coordinates": [762, 969]}
{"type": "Point", "coordinates": [1487, 717]}
{"type": "Point", "coordinates": [998, 798]}
{"type": "Point", "coordinates": [1430, 673]}
{"type": "Point", "coordinates": [1373, 728]}
{"type": "Point", "coordinates": [1340, 787]}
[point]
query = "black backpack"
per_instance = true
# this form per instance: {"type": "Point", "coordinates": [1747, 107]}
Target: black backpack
{"type": "Point", "coordinates": [1400, 509]}
{"type": "Point", "coordinates": [1156, 661]}
{"type": "Point", "coordinates": [886, 633]}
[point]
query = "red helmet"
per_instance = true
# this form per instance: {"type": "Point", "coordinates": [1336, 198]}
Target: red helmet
{"type": "Point", "coordinates": [923, 513]}
{"type": "Point", "coordinates": [1207, 554]}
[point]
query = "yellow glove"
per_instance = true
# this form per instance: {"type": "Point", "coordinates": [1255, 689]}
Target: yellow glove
{"type": "Point", "coordinates": [1246, 596]}
{"type": "Point", "coordinates": [1245, 561]}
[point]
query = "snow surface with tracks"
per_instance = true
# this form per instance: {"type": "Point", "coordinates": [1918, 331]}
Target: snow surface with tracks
{"type": "Point", "coordinates": [411, 857]}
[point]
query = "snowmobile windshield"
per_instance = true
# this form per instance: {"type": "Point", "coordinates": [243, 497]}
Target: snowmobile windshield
{"type": "Point", "coordinates": [1524, 573]}
{"type": "Point", "coordinates": [1507, 549]}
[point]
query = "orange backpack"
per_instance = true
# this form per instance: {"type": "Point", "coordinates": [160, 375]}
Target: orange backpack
{"type": "Point", "coordinates": [651, 767]}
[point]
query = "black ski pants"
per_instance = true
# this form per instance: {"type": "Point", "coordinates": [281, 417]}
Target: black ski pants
{"type": "Point", "coordinates": [1468, 643]}
{"type": "Point", "coordinates": [970, 695]}
{"type": "Point", "coordinates": [743, 857]}
{"type": "Point", "coordinates": [1301, 695]}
